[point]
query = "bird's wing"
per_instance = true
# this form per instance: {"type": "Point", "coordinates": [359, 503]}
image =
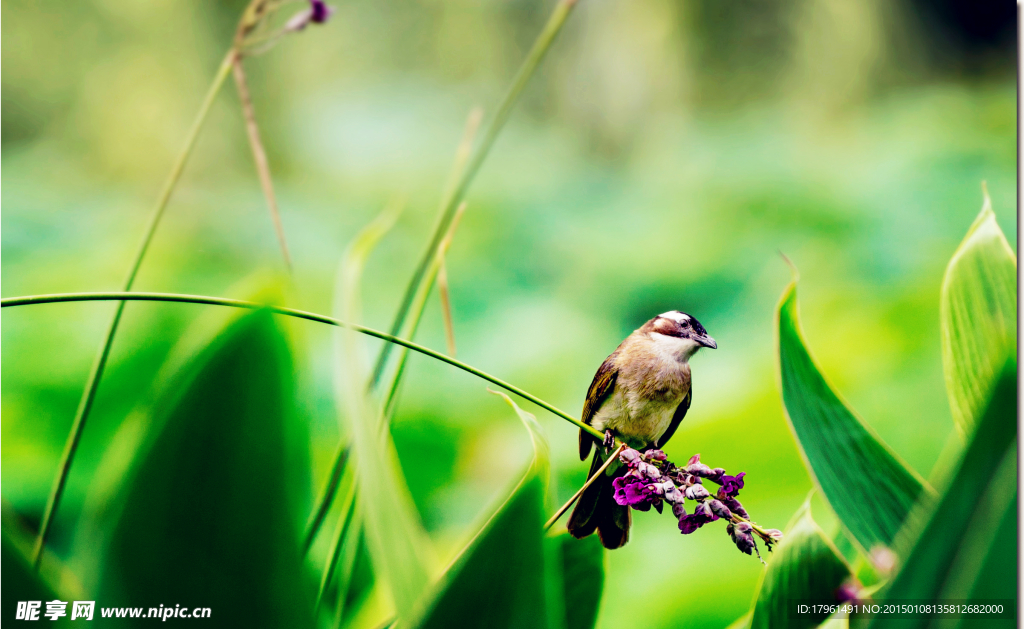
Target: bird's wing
{"type": "Point", "coordinates": [604, 382]}
{"type": "Point", "coordinates": [677, 418]}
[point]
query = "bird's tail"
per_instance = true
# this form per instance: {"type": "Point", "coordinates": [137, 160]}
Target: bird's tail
{"type": "Point", "coordinates": [597, 510]}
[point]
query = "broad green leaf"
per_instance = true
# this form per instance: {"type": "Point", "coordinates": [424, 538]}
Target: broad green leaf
{"type": "Point", "coordinates": [504, 577]}
{"type": "Point", "coordinates": [868, 486]}
{"type": "Point", "coordinates": [401, 552]}
{"type": "Point", "coordinates": [498, 581]}
{"type": "Point", "coordinates": [208, 515]}
{"type": "Point", "coordinates": [978, 312]}
{"type": "Point", "coordinates": [956, 553]}
{"type": "Point", "coordinates": [805, 567]}
{"type": "Point", "coordinates": [583, 579]}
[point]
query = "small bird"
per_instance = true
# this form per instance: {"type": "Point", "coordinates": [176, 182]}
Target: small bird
{"type": "Point", "coordinates": [640, 394]}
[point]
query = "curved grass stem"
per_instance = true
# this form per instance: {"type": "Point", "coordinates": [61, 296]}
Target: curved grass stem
{"type": "Point", "coordinates": [299, 314]}
{"type": "Point", "coordinates": [96, 373]}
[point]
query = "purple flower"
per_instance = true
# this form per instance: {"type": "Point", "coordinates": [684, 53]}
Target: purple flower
{"type": "Point", "coordinates": [630, 457]}
{"type": "Point", "coordinates": [690, 523]}
{"type": "Point", "coordinates": [633, 492]}
{"type": "Point", "coordinates": [648, 471]}
{"type": "Point", "coordinates": [716, 475]}
{"type": "Point", "coordinates": [320, 12]}
{"type": "Point", "coordinates": [694, 459]}
{"type": "Point", "coordinates": [849, 591]}
{"type": "Point", "coordinates": [734, 506]}
{"type": "Point", "coordinates": [655, 455]}
{"type": "Point", "coordinates": [699, 469]}
{"type": "Point", "coordinates": [696, 492]}
{"type": "Point", "coordinates": [731, 485]}
{"type": "Point", "coordinates": [742, 537]}
{"type": "Point", "coordinates": [672, 493]}
{"type": "Point", "coordinates": [704, 510]}
{"type": "Point", "coordinates": [678, 509]}
{"type": "Point", "coordinates": [720, 509]}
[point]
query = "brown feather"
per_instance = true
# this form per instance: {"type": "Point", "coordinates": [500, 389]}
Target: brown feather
{"type": "Point", "coordinates": [600, 387]}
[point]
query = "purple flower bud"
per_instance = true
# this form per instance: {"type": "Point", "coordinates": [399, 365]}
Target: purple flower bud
{"type": "Point", "coordinates": [849, 591]}
{"type": "Point", "coordinates": [704, 510]}
{"type": "Point", "coordinates": [678, 509]}
{"type": "Point", "coordinates": [775, 534]}
{"type": "Point", "coordinates": [731, 485]}
{"type": "Point", "coordinates": [673, 494]}
{"type": "Point", "coordinates": [655, 455]}
{"type": "Point", "coordinates": [733, 504]}
{"type": "Point", "coordinates": [741, 536]}
{"type": "Point", "coordinates": [688, 524]}
{"type": "Point", "coordinates": [648, 471]}
{"type": "Point", "coordinates": [694, 459]}
{"type": "Point", "coordinates": [720, 509]}
{"type": "Point", "coordinates": [696, 492]}
{"type": "Point", "coordinates": [629, 456]}
{"type": "Point", "coordinates": [698, 469]}
{"type": "Point", "coordinates": [668, 488]}
{"type": "Point", "coordinates": [320, 12]}
{"type": "Point", "coordinates": [716, 475]}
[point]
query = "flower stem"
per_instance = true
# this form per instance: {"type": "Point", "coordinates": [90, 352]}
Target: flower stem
{"type": "Point", "coordinates": [299, 314]}
{"type": "Point", "coordinates": [96, 373]}
{"type": "Point", "coordinates": [590, 481]}
{"type": "Point", "coordinates": [526, 71]}
{"type": "Point", "coordinates": [260, 156]}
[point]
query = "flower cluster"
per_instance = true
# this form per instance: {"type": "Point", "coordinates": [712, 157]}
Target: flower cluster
{"type": "Point", "coordinates": [651, 480]}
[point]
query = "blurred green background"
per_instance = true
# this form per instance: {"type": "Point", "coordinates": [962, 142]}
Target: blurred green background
{"type": "Point", "coordinates": [661, 158]}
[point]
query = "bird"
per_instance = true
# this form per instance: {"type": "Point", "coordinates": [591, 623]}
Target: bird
{"type": "Point", "coordinates": [640, 394]}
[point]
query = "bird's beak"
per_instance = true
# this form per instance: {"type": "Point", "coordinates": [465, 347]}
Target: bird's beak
{"type": "Point", "coordinates": [707, 341]}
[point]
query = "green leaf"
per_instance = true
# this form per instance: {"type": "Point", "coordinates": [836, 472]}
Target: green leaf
{"type": "Point", "coordinates": [868, 486]}
{"type": "Point", "coordinates": [506, 576]}
{"type": "Point", "coordinates": [21, 583]}
{"type": "Point", "coordinates": [583, 579]}
{"type": "Point", "coordinates": [743, 622]}
{"type": "Point", "coordinates": [208, 514]}
{"type": "Point", "coordinates": [498, 581]}
{"type": "Point", "coordinates": [805, 567]}
{"type": "Point", "coordinates": [978, 312]}
{"type": "Point", "coordinates": [402, 555]}
{"type": "Point", "coordinates": [962, 549]}
{"type": "Point", "coordinates": [541, 448]}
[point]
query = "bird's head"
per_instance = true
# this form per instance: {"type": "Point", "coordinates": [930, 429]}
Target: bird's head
{"type": "Point", "coordinates": [680, 329]}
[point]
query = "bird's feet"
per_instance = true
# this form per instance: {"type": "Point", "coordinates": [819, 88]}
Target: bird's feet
{"type": "Point", "coordinates": [609, 440]}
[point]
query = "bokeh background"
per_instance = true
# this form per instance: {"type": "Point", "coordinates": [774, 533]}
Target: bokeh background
{"type": "Point", "coordinates": [661, 158]}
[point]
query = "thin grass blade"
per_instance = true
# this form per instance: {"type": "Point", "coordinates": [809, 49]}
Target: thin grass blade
{"type": "Point", "coordinates": [398, 545]}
